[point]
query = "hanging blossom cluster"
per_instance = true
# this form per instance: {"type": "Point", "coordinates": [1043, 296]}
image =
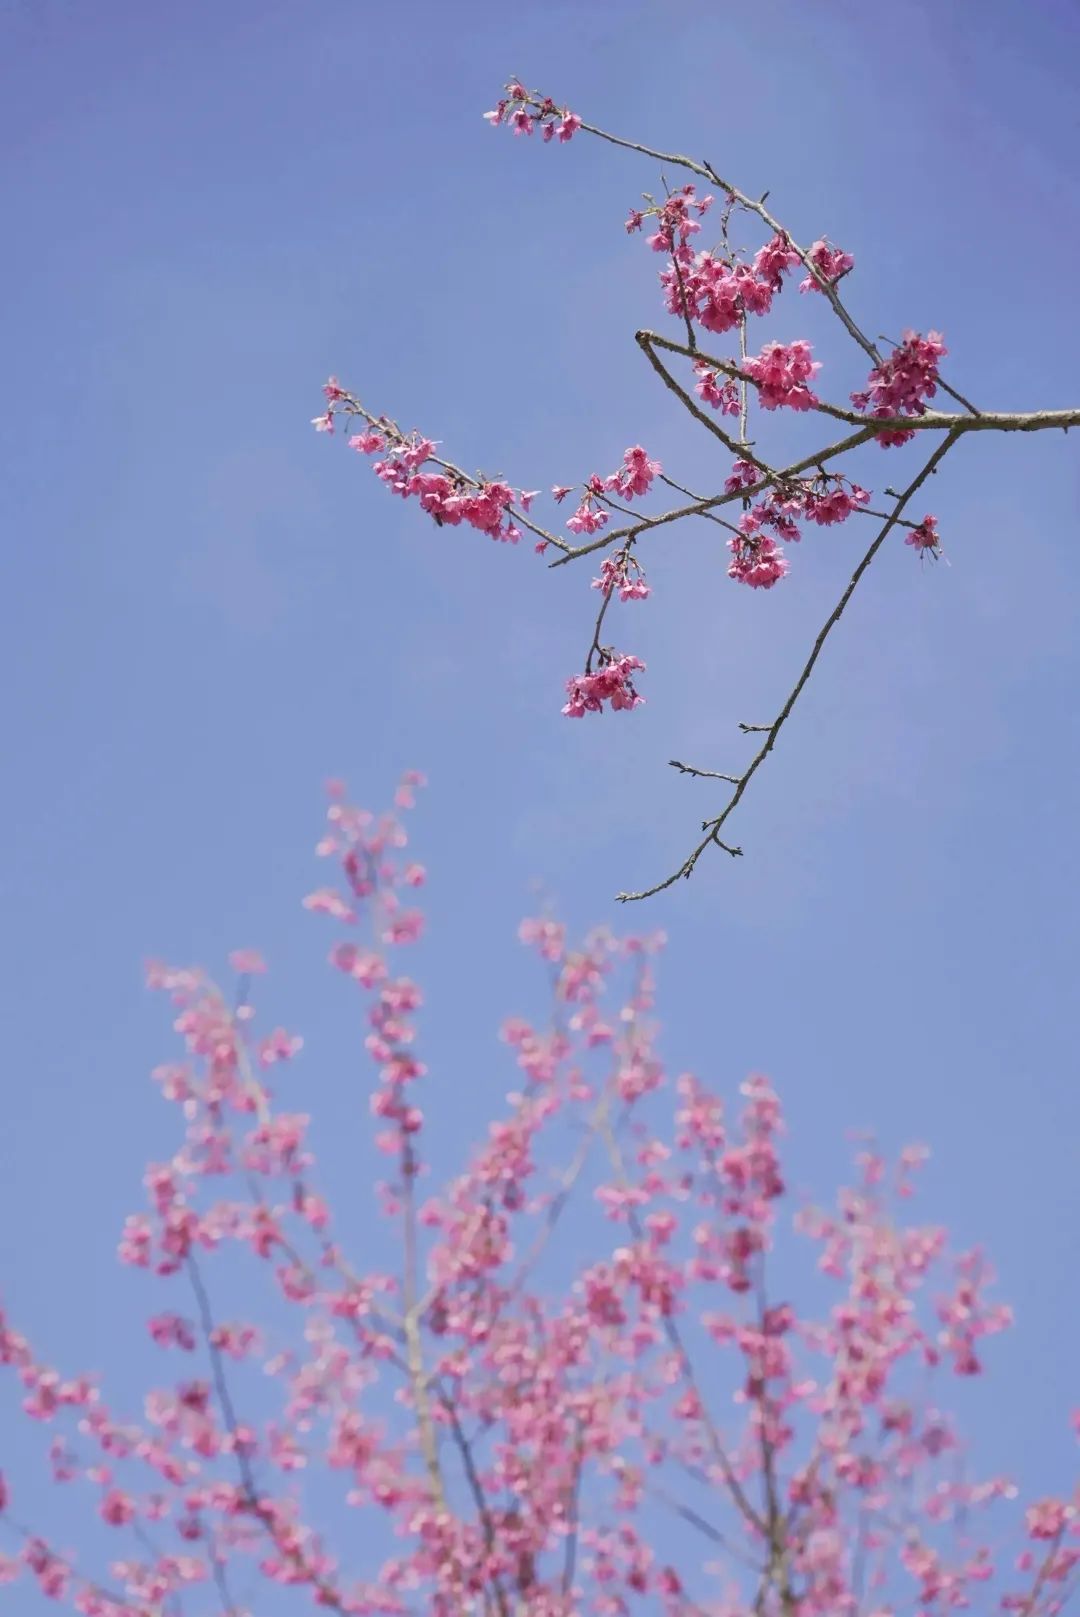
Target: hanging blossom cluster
{"type": "Point", "coordinates": [624, 576]}
{"type": "Point", "coordinates": [611, 683]}
{"type": "Point", "coordinates": [756, 555]}
{"type": "Point", "coordinates": [902, 383]}
{"type": "Point", "coordinates": [924, 536]}
{"type": "Point", "coordinates": [516, 1412]}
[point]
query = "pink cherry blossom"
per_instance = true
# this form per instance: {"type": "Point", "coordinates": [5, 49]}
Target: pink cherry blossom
{"type": "Point", "coordinates": [1048, 1517]}
{"type": "Point", "coordinates": [772, 261]}
{"type": "Point", "coordinates": [757, 560]}
{"type": "Point", "coordinates": [612, 683]}
{"type": "Point", "coordinates": [622, 574]}
{"type": "Point", "coordinates": [925, 536]}
{"type": "Point", "coordinates": [902, 383]}
{"type": "Point", "coordinates": [830, 262]}
{"type": "Point", "coordinates": [589, 517]}
{"type": "Point", "coordinates": [782, 371]}
{"type": "Point", "coordinates": [716, 389]}
{"type": "Point", "coordinates": [635, 476]}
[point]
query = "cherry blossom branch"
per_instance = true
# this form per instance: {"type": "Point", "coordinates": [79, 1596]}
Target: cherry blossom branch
{"type": "Point", "coordinates": [472, 1477]}
{"type": "Point", "coordinates": [772, 731]}
{"type": "Point", "coordinates": [120, 1605]}
{"type": "Point", "coordinates": [558, 1204]}
{"type": "Point", "coordinates": [701, 499]}
{"type": "Point", "coordinates": [706, 171]}
{"type": "Point", "coordinates": [349, 404]}
{"type": "Point", "coordinates": [778, 1571]}
{"type": "Point", "coordinates": [715, 290]}
{"type": "Point", "coordinates": [414, 1351]}
{"type": "Point", "coordinates": [647, 341]}
{"type": "Point", "coordinates": [573, 1518]}
{"type": "Point", "coordinates": [714, 501]}
{"type": "Point", "coordinates": [328, 1595]}
{"type": "Point", "coordinates": [825, 284]}
{"type": "Point", "coordinates": [674, 1336]}
{"type": "Point", "coordinates": [1043, 1573]}
{"type": "Point", "coordinates": [929, 421]}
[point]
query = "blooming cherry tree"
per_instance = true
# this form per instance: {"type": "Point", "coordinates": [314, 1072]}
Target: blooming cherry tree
{"type": "Point", "coordinates": [503, 1424]}
{"type": "Point", "coordinates": [710, 292]}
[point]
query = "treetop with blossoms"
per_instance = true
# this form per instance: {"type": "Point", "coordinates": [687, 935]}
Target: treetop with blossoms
{"type": "Point", "coordinates": [474, 1432]}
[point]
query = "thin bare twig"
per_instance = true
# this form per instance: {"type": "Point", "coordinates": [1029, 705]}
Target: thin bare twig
{"type": "Point", "coordinates": [712, 827]}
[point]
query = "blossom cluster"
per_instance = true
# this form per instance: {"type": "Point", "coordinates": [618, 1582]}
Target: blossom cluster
{"type": "Point", "coordinates": [830, 262]}
{"type": "Point", "coordinates": [925, 537]}
{"type": "Point", "coordinates": [522, 111]}
{"type": "Point", "coordinates": [612, 682]}
{"type": "Point", "coordinates": [447, 495]}
{"type": "Point", "coordinates": [757, 558]}
{"type": "Point", "coordinates": [716, 290]}
{"type": "Point", "coordinates": [781, 373]}
{"type": "Point", "coordinates": [714, 388]}
{"type": "Point", "coordinates": [629, 481]}
{"type": "Point", "coordinates": [622, 575]}
{"type": "Point", "coordinates": [902, 383]}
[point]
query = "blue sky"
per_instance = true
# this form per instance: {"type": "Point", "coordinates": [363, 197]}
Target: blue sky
{"type": "Point", "coordinates": [207, 609]}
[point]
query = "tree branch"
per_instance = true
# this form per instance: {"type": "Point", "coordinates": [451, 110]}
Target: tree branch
{"type": "Point", "coordinates": [713, 827]}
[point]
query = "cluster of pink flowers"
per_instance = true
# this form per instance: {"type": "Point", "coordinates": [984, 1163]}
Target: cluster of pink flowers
{"type": "Point", "coordinates": [630, 481]}
{"type": "Point", "coordinates": [677, 219]}
{"type": "Point", "coordinates": [826, 499]}
{"type": "Point", "coordinates": [624, 575]}
{"type": "Point", "coordinates": [756, 558]}
{"type": "Point", "coordinates": [902, 383]}
{"type": "Point", "coordinates": [521, 112]}
{"type": "Point", "coordinates": [635, 476]}
{"type": "Point", "coordinates": [612, 682]}
{"type": "Point", "coordinates": [365, 851]}
{"type": "Point", "coordinates": [722, 392]}
{"type": "Point", "coordinates": [830, 262]}
{"type": "Point", "coordinates": [590, 516]}
{"type": "Point", "coordinates": [448, 497]}
{"type": "Point", "coordinates": [925, 537]}
{"type": "Point", "coordinates": [744, 475]}
{"type": "Point", "coordinates": [782, 372]}
{"type": "Point", "coordinates": [773, 261]}
{"type": "Point", "coordinates": [715, 292]}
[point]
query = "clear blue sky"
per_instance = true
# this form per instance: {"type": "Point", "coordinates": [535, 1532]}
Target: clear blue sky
{"type": "Point", "coordinates": [207, 609]}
